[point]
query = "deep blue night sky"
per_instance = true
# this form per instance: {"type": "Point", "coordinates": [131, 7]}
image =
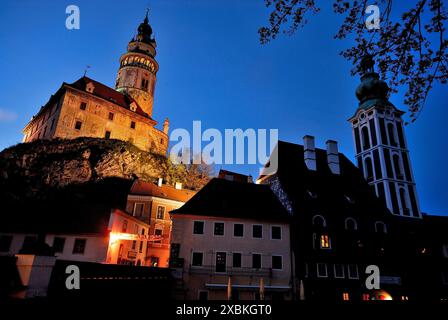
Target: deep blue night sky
{"type": "Point", "coordinates": [213, 69]}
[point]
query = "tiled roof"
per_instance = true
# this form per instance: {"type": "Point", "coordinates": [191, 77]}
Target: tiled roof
{"type": "Point", "coordinates": [144, 188]}
{"type": "Point", "coordinates": [108, 94]}
{"type": "Point", "coordinates": [224, 198]}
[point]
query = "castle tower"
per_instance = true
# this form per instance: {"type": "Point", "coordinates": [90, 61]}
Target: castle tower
{"type": "Point", "coordinates": [138, 68]}
{"type": "Point", "coordinates": [381, 148]}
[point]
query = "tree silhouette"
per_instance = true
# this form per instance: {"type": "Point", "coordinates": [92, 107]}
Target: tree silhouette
{"type": "Point", "coordinates": [410, 51]}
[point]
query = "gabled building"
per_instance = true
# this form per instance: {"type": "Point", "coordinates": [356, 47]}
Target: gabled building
{"type": "Point", "coordinates": [151, 203]}
{"type": "Point", "coordinates": [231, 240]}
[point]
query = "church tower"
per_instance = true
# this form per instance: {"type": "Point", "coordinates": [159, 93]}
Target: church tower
{"type": "Point", "coordinates": [381, 148]}
{"type": "Point", "coordinates": [138, 68]}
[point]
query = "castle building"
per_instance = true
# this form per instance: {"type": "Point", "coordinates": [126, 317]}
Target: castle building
{"type": "Point", "coordinates": [87, 108]}
{"type": "Point", "coordinates": [381, 148]}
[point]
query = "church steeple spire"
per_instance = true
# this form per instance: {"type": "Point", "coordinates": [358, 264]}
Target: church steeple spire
{"type": "Point", "coordinates": [381, 148]}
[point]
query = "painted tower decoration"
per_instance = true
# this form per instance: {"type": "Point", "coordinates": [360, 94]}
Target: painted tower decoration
{"type": "Point", "coordinates": [138, 68]}
{"type": "Point", "coordinates": [381, 149]}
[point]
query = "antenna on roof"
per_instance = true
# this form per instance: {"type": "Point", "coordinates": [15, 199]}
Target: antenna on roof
{"type": "Point", "coordinates": [85, 70]}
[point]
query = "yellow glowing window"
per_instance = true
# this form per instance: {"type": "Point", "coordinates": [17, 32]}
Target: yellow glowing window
{"type": "Point", "coordinates": [324, 241]}
{"type": "Point", "coordinates": [345, 296]}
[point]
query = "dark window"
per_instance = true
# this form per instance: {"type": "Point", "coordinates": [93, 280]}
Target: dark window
{"type": "Point", "coordinates": [5, 243]}
{"type": "Point", "coordinates": [238, 230]}
{"type": "Point", "coordinates": [236, 260]}
{"type": "Point", "coordinates": [197, 259]}
{"type": "Point", "coordinates": [58, 244]}
{"type": "Point", "coordinates": [391, 132]}
{"type": "Point", "coordinates": [393, 195]}
{"type": "Point", "coordinates": [383, 131]}
{"type": "Point", "coordinates": [365, 138]}
{"type": "Point", "coordinates": [107, 135]}
{"type": "Point", "coordinates": [400, 135]}
{"type": "Point", "coordinates": [350, 224]}
{"type": "Point", "coordinates": [132, 124]}
{"type": "Point", "coordinates": [138, 209]}
{"type": "Point", "coordinates": [134, 244]}
{"type": "Point", "coordinates": [322, 270]}
{"type": "Point", "coordinates": [124, 228]}
{"type": "Point", "coordinates": [111, 116]}
{"type": "Point", "coordinates": [219, 229]}
{"type": "Point", "coordinates": [52, 124]}
{"type": "Point", "coordinates": [369, 169]}
{"type": "Point", "coordinates": [221, 261]}
{"type": "Point", "coordinates": [372, 128]}
{"type": "Point", "coordinates": [404, 203]}
{"type": "Point", "coordinates": [353, 271]}
{"type": "Point", "coordinates": [198, 227]}
{"type": "Point", "coordinates": [83, 106]}
{"type": "Point", "coordinates": [277, 262]}
{"type": "Point", "coordinates": [80, 246]}
{"type": "Point", "coordinates": [256, 260]}
{"type": "Point", "coordinates": [358, 144]}
{"type": "Point", "coordinates": [377, 163]}
{"type": "Point", "coordinates": [140, 249]}
{"type": "Point", "coordinates": [257, 231]}
{"type": "Point", "coordinates": [160, 212]}
{"type": "Point", "coordinates": [397, 167]}
{"type": "Point", "coordinates": [78, 125]}
{"type": "Point", "coordinates": [29, 241]}
{"type": "Point", "coordinates": [276, 232]}
{"type": "Point", "coordinates": [339, 271]}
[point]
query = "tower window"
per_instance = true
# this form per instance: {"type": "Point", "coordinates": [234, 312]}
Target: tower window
{"type": "Point", "coordinates": [111, 116]}
{"type": "Point", "coordinates": [365, 138]}
{"type": "Point", "coordinates": [132, 124]}
{"type": "Point", "coordinates": [83, 106]}
{"type": "Point", "coordinates": [404, 202]}
{"type": "Point", "coordinates": [397, 167]}
{"type": "Point", "coordinates": [369, 169]}
{"type": "Point", "coordinates": [78, 125]}
{"type": "Point", "coordinates": [391, 132]}
{"type": "Point", "coordinates": [107, 135]}
{"type": "Point", "coordinates": [145, 84]}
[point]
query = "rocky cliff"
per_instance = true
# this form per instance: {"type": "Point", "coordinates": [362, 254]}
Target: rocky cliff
{"type": "Point", "coordinates": [30, 168]}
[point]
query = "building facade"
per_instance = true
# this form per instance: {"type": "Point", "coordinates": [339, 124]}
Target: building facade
{"type": "Point", "coordinates": [151, 203]}
{"type": "Point", "coordinates": [231, 241]}
{"type": "Point", "coordinates": [87, 108]}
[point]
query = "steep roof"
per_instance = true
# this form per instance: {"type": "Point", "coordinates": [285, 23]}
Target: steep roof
{"type": "Point", "coordinates": [107, 93]}
{"type": "Point", "coordinates": [144, 188]}
{"type": "Point", "coordinates": [321, 191]}
{"type": "Point", "coordinates": [223, 198]}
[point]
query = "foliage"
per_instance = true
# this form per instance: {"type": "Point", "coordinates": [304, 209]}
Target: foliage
{"type": "Point", "coordinates": [411, 51]}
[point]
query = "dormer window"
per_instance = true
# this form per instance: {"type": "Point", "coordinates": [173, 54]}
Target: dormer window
{"type": "Point", "coordinates": [133, 106]}
{"type": "Point", "coordinates": [90, 87]}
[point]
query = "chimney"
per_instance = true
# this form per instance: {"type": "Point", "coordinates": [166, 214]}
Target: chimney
{"type": "Point", "coordinates": [178, 186]}
{"type": "Point", "coordinates": [309, 152]}
{"type": "Point", "coordinates": [333, 156]}
{"type": "Point", "coordinates": [166, 126]}
{"type": "Point", "coordinates": [160, 182]}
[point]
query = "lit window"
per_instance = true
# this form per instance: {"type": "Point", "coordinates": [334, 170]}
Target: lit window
{"type": "Point", "coordinates": [366, 297]}
{"type": "Point", "coordinates": [345, 296]}
{"type": "Point", "coordinates": [404, 298]}
{"type": "Point", "coordinates": [324, 242]}
{"type": "Point", "coordinates": [160, 212]}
